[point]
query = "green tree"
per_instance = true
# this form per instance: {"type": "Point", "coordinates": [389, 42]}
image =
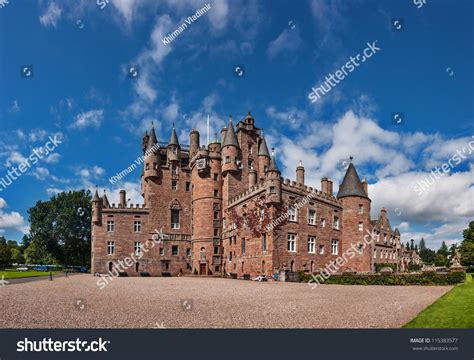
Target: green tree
{"type": "Point", "coordinates": [467, 246]}
{"type": "Point", "coordinates": [5, 253]}
{"type": "Point", "coordinates": [443, 250]}
{"type": "Point", "coordinates": [61, 229]}
{"type": "Point", "coordinates": [422, 245]}
{"type": "Point", "coordinates": [17, 256]}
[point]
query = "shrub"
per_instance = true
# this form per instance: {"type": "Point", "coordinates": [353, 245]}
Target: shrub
{"type": "Point", "coordinates": [394, 279]}
{"type": "Point", "coordinates": [413, 267]}
{"type": "Point", "coordinates": [379, 267]}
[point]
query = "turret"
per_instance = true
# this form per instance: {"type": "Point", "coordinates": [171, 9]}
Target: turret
{"type": "Point", "coordinates": [300, 174]}
{"type": "Point", "coordinates": [252, 177]}
{"type": "Point", "coordinates": [355, 221]}
{"type": "Point", "coordinates": [123, 199]}
{"type": "Point", "coordinates": [230, 150]}
{"type": "Point", "coordinates": [273, 181]}
{"type": "Point", "coordinates": [173, 147]}
{"type": "Point", "coordinates": [105, 201]}
{"type": "Point", "coordinates": [96, 208]}
{"type": "Point", "coordinates": [152, 157]}
{"type": "Point", "coordinates": [263, 157]}
{"type": "Point", "coordinates": [193, 143]}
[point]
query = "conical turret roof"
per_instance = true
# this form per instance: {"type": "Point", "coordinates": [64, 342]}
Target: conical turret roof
{"type": "Point", "coordinates": [96, 196]}
{"type": "Point", "coordinates": [263, 148]}
{"type": "Point", "coordinates": [105, 201]}
{"type": "Point", "coordinates": [151, 139]}
{"type": "Point", "coordinates": [351, 185]}
{"type": "Point", "coordinates": [273, 164]}
{"type": "Point", "coordinates": [230, 136]}
{"type": "Point", "coordinates": [174, 138]}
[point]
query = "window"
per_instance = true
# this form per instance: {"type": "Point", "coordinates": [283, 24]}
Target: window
{"type": "Point", "coordinates": [110, 226]}
{"type": "Point", "coordinates": [243, 246]}
{"type": "Point", "coordinates": [174, 185]}
{"type": "Point", "coordinates": [137, 247]}
{"type": "Point", "coordinates": [174, 250]}
{"type": "Point", "coordinates": [361, 209]}
{"type": "Point", "coordinates": [174, 170]}
{"type": "Point", "coordinates": [272, 190]}
{"type": "Point", "coordinates": [265, 168]}
{"type": "Point", "coordinates": [291, 213]}
{"type": "Point", "coordinates": [321, 249]}
{"type": "Point", "coordinates": [162, 252]}
{"type": "Point", "coordinates": [188, 252]}
{"type": "Point", "coordinates": [216, 250]}
{"type": "Point", "coordinates": [188, 186]}
{"type": "Point", "coordinates": [110, 247]}
{"type": "Point", "coordinates": [264, 242]}
{"type": "Point", "coordinates": [312, 217]}
{"type": "Point", "coordinates": [250, 149]}
{"type": "Point", "coordinates": [216, 215]}
{"type": "Point", "coordinates": [334, 247]}
{"type": "Point", "coordinates": [335, 222]}
{"type": "Point", "coordinates": [216, 193]}
{"type": "Point", "coordinates": [291, 242]}
{"type": "Point", "coordinates": [216, 177]}
{"type": "Point", "coordinates": [230, 256]}
{"type": "Point", "coordinates": [262, 214]}
{"type": "Point", "coordinates": [174, 219]}
{"type": "Point", "coordinates": [137, 226]}
{"type": "Point", "coordinates": [385, 238]}
{"type": "Point", "coordinates": [216, 232]}
{"type": "Point", "coordinates": [311, 244]}
{"type": "Point", "coordinates": [227, 159]}
{"type": "Point", "coordinates": [323, 222]}
{"type": "Point", "coordinates": [361, 226]}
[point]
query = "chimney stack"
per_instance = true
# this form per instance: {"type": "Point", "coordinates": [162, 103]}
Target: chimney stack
{"type": "Point", "coordinates": [326, 186]}
{"type": "Point", "coordinates": [123, 201]}
{"type": "Point", "coordinates": [364, 185]}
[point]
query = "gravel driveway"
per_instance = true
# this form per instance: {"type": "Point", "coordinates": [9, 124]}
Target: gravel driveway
{"type": "Point", "coordinates": [185, 302]}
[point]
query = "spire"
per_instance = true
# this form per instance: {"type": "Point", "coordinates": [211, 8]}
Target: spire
{"type": "Point", "coordinates": [105, 201]}
{"type": "Point", "coordinates": [263, 148]}
{"type": "Point", "coordinates": [174, 137]}
{"type": "Point", "coordinates": [396, 231]}
{"type": "Point", "coordinates": [230, 137]}
{"type": "Point", "coordinates": [249, 118]}
{"type": "Point", "coordinates": [351, 185]}
{"type": "Point", "coordinates": [151, 139]}
{"type": "Point", "coordinates": [96, 196]}
{"type": "Point", "coordinates": [273, 164]}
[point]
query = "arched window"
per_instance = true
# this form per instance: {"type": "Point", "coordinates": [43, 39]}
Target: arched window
{"type": "Point", "coordinates": [110, 266]}
{"type": "Point", "coordinates": [292, 266]}
{"type": "Point", "coordinates": [312, 267]}
{"type": "Point", "coordinates": [137, 266]}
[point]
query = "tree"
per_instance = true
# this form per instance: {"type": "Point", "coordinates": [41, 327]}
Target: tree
{"type": "Point", "coordinates": [407, 246]}
{"type": "Point", "coordinates": [5, 253]}
{"type": "Point", "coordinates": [422, 245]}
{"type": "Point", "coordinates": [17, 256]}
{"type": "Point", "coordinates": [412, 244]}
{"type": "Point", "coordinates": [440, 260]}
{"type": "Point", "coordinates": [467, 246]}
{"type": "Point", "coordinates": [443, 250]}
{"type": "Point", "coordinates": [61, 229]}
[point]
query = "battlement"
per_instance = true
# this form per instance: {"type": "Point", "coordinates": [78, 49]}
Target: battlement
{"type": "Point", "coordinates": [250, 192]}
{"type": "Point", "coordinates": [305, 190]}
{"type": "Point", "coordinates": [130, 207]}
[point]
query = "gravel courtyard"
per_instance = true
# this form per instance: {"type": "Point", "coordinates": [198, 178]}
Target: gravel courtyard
{"type": "Point", "coordinates": [77, 302]}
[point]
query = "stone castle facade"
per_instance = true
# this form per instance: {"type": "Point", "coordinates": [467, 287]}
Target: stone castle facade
{"type": "Point", "coordinates": [224, 209]}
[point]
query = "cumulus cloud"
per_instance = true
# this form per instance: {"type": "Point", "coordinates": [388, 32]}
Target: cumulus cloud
{"type": "Point", "coordinates": [11, 220]}
{"type": "Point", "coordinates": [288, 41]}
{"type": "Point", "coordinates": [51, 16]}
{"type": "Point", "coordinates": [87, 119]}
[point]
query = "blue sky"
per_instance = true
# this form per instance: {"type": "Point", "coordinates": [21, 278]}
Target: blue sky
{"type": "Point", "coordinates": [80, 92]}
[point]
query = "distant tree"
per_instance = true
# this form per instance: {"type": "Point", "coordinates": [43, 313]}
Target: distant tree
{"type": "Point", "coordinates": [17, 256]}
{"type": "Point", "coordinates": [407, 246]}
{"type": "Point", "coordinates": [416, 247]}
{"type": "Point", "coordinates": [422, 245]}
{"type": "Point", "coordinates": [443, 250]}
{"type": "Point", "coordinates": [468, 234]}
{"type": "Point", "coordinates": [412, 244]}
{"type": "Point", "coordinates": [5, 253]}
{"type": "Point", "coordinates": [440, 260]}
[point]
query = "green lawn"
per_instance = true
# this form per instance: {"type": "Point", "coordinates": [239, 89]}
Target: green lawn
{"type": "Point", "coordinates": [454, 309]}
{"type": "Point", "coordinates": [13, 274]}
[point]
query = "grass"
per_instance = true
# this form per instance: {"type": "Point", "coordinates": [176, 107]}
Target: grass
{"type": "Point", "coordinates": [14, 274]}
{"type": "Point", "coordinates": [453, 310]}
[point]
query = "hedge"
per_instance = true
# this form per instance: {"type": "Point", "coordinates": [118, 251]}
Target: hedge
{"type": "Point", "coordinates": [391, 279]}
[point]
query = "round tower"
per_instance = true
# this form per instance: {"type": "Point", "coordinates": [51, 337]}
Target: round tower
{"type": "Point", "coordinates": [151, 157]}
{"type": "Point", "coordinates": [273, 181]}
{"type": "Point", "coordinates": [193, 143]}
{"type": "Point", "coordinates": [96, 209]}
{"type": "Point", "coordinates": [263, 158]}
{"type": "Point", "coordinates": [206, 178]}
{"type": "Point", "coordinates": [173, 148]}
{"type": "Point", "coordinates": [300, 174]}
{"type": "Point", "coordinates": [230, 150]}
{"type": "Point", "coordinates": [355, 229]}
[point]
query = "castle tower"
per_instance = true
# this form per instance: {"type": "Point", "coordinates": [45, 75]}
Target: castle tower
{"type": "Point", "coordinates": [231, 162]}
{"type": "Point", "coordinates": [152, 161]}
{"type": "Point", "coordinates": [193, 143]}
{"type": "Point", "coordinates": [300, 174]}
{"type": "Point", "coordinates": [173, 148]}
{"type": "Point", "coordinates": [96, 208]}
{"type": "Point", "coordinates": [273, 181]}
{"type": "Point", "coordinates": [263, 158]}
{"type": "Point", "coordinates": [355, 222]}
{"type": "Point", "coordinates": [206, 178]}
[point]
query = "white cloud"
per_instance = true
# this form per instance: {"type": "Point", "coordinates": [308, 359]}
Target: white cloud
{"type": "Point", "coordinates": [40, 173]}
{"type": "Point", "coordinates": [87, 119]}
{"type": "Point", "coordinates": [15, 107]}
{"type": "Point", "coordinates": [51, 16]}
{"type": "Point", "coordinates": [37, 135]}
{"type": "Point", "coordinates": [52, 158]}
{"type": "Point", "coordinates": [11, 220]}
{"type": "Point", "coordinates": [289, 40]}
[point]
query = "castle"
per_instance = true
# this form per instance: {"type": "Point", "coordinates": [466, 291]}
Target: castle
{"type": "Point", "coordinates": [224, 209]}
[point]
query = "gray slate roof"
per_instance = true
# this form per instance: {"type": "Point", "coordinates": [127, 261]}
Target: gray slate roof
{"type": "Point", "coordinates": [351, 185]}
{"type": "Point", "coordinates": [230, 136]}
